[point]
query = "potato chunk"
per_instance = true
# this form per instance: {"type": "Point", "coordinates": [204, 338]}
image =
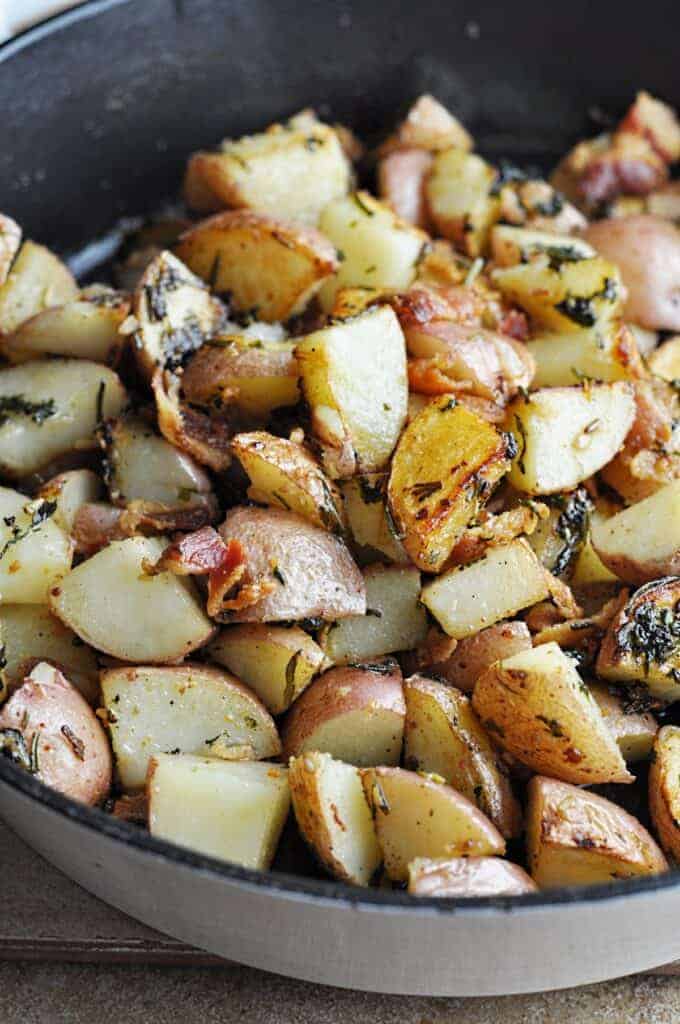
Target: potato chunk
{"type": "Point", "coordinates": [664, 361]}
{"type": "Point", "coordinates": [355, 714]}
{"type": "Point", "coordinates": [606, 353]}
{"type": "Point", "coordinates": [37, 280]}
{"type": "Point", "coordinates": [265, 265]}
{"type": "Point", "coordinates": [231, 811]}
{"type": "Point", "coordinates": [578, 838]}
{"type": "Point", "coordinates": [447, 462]}
{"type": "Point", "coordinates": [276, 662]}
{"type": "Point", "coordinates": [82, 329]}
{"type": "Point", "coordinates": [642, 643]}
{"type": "Point", "coordinates": [474, 654]}
{"type": "Point", "coordinates": [35, 553]}
{"type": "Point", "coordinates": [416, 816]}
{"type": "Point", "coordinates": [114, 606]}
{"type": "Point", "coordinates": [301, 571]}
{"type": "Point", "coordinates": [539, 709]}
{"type": "Point", "coordinates": [467, 876]}
{"type": "Point", "coordinates": [565, 435]}
{"type": "Point", "coordinates": [333, 816]}
{"type": "Point", "coordinates": [379, 250]}
{"type": "Point", "coordinates": [443, 735]}
{"type": "Point", "coordinates": [664, 789]}
{"type": "Point", "coordinates": [505, 580]}
{"type": "Point", "coordinates": [48, 408]}
{"type": "Point", "coordinates": [460, 198]}
{"type": "Point", "coordinates": [428, 125]}
{"type": "Point", "coordinates": [354, 378]}
{"type": "Point", "coordinates": [10, 241]}
{"type": "Point", "coordinates": [394, 620]}
{"type": "Point", "coordinates": [366, 510]}
{"type": "Point", "coordinates": [189, 709]}
{"type": "Point", "coordinates": [642, 542]}
{"type": "Point", "coordinates": [71, 490]}
{"type": "Point", "coordinates": [634, 731]}
{"type": "Point", "coordinates": [511, 246]}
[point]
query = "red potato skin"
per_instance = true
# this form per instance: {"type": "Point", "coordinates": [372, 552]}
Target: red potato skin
{"type": "Point", "coordinates": [470, 876]}
{"type": "Point", "coordinates": [401, 182]}
{"type": "Point", "coordinates": [475, 654]}
{"type": "Point", "coordinates": [74, 756]}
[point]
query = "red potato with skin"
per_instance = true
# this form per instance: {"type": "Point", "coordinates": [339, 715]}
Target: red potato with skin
{"type": "Point", "coordinates": [475, 654]}
{"type": "Point", "coordinates": [356, 714]}
{"type": "Point", "coordinates": [647, 251]}
{"type": "Point", "coordinates": [62, 741]}
{"type": "Point", "coordinates": [468, 876]}
{"type": "Point", "coordinates": [401, 183]}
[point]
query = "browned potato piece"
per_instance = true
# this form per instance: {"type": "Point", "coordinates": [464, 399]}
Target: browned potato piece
{"type": "Point", "coordinates": [664, 789]}
{"type": "Point", "coordinates": [47, 727]}
{"type": "Point", "coordinates": [420, 816]}
{"type": "Point", "coordinates": [474, 654]}
{"type": "Point", "coordinates": [575, 837]}
{"type": "Point", "coordinates": [333, 816]}
{"type": "Point", "coordinates": [443, 735]}
{"type": "Point", "coordinates": [300, 571]}
{"type": "Point", "coordinates": [460, 200]}
{"type": "Point", "coordinates": [10, 240]}
{"type": "Point", "coordinates": [83, 329]}
{"type": "Point", "coordinates": [664, 361]}
{"type": "Point", "coordinates": [263, 263]}
{"type": "Point", "coordinates": [642, 543]}
{"type": "Point", "coordinates": [539, 709]}
{"type": "Point", "coordinates": [467, 876]}
{"type": "Point", "coordinates": [447, 462]}
{"type": "Point", "coordinates": [354, 713]}
{"type": "Point", "coordinates": [428, 125]}
{"type": "Point", "coordinates": [37, 280]}
{"type": "Point", "coordinates": [642, 643]}
{"type": "Point", "coordinates": [634, 731]}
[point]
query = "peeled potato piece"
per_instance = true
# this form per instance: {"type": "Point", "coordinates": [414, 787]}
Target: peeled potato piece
{"type": "Point", "coordinates": [114, 606]}
{"type": "Point", "coordinates": [634, 731]}
{"type": "Point", "coordinates": [10, 240]}
{"type": "Point", "coordinates": [642, 543]}
{"type": "Point", "coordinates": [191, 709]}
{"type": "Point", "coordinates": [47, 727]}
{"type": "Point", "coordinates": [231, 811]}
{"type": "Point", "coordinates": [355, 714]}
{"type": "Point", "coordinates": [664, 789]}
{"type": "Point", "coordinates": [575, 837]}
{"type": "Point", "coordinates": [333, 816]}
{"type": "Point", "coordinates": [365, 506]}
{"type": "Point", "coordinates": [460, 200]}
{"type": "Point", "coordinates": [82, 329]}
{"type": "Point", "coordinates": [538, 708]}
{"type": "Point", "coordinates": [443, 735]}
{"type": "Point", "coordinates": [37, 280]}
{"type": "Point", "coordinates": [511, 246]}
{"type": "Point", "coordinates": [35, 553]}
{"type": "Point", "coordinates": [416, 816]}
{"type": "Point", "coordinates": [71, 490]}
{"type": "Point", "coordinates": [467, 876]}
{"type": "Point", "coordinates": [664, 361]}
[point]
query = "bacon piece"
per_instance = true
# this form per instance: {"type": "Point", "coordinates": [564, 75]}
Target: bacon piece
{"type": "Point", "coordinates": [195, 554]}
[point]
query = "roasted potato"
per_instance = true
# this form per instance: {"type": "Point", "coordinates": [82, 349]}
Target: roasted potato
{"type": "Point", "coordinates": [634, 731]}
{"type": "Point", "coordinates": [71, 490]}
{"type": "Point", "coordinates": [37, 280]}
{"type": "Point", "coordinates": [401, 184]}
{"type": "Point", "coordinates": [467, 876]}
{"type": "Point", "coordinates": [538, 708]}
{"type": "Point", "coordinates": [267, 266]}
{"type": "Point", "coordinates": [575, 837]}
{"type": "Point", "coordinates": [642, 542]}
{"type": "Point", "coordinates": [420, 816]}
{"type": "Point", "coordinates": [354, 713]}
{"type": "Point", "coordinates": [35, 553]}
{"type": "Point", "coordinates": [511, 246]}
{"type": "Point", "coordinates": [606, 353]}
{"type": "Point", "coordinates": [474, 654]}
{"type": "Point", "coordinates": [47, 728]}
{"type": "Point", "coordinates": [427, 125]}
{"type": "Point", "coordinates": [82, 329]}
{"type": "Point", "coordinates": [395, 620]}
{"type": "Point", "coordinates": [238, 810]}
{"type": "Point", "coordinates": [10, 240]}
{"type": "Point", "coordinates": [366, 511]}
{"type": "Point", "coordinates": [505, 580]}
{"type": "Point", "coordinates": [442, 735]}
{"type": "Point", "coordinates": [432, 495]}
{"type": "Point", "coordinates": [461, 200]}
{"type": "Point", "coordinates": [276, 662]}
{"type": "Point", "coordinates": [184, 709]}
{"type": "Point", "coordinates": [664, 789]}
{"type": "Point", "coordinates": [664, 361]}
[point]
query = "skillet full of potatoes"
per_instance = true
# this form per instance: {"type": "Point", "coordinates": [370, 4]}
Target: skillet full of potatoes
{"type": "Point", "coordinates": [351, 503]}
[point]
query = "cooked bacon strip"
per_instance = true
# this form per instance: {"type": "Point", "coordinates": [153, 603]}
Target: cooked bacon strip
{"type": "Point", "coordinates": [195, 554]}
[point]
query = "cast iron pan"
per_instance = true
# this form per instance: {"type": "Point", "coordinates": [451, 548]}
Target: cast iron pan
{"type": "Point", "coordinates": [101, 105]}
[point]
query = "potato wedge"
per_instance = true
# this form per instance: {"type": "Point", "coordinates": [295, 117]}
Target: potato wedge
{"type": "Point", "coordinates": [291, 171]}
{"type": "Point", "coordinates": [642, 542]}
{"type": "Point", "coordinates": [71, 490]}
{"type": "Point", "coordinates": [401, 184]}
{"type": "Point", "coordinates": [333, 816]}
{"type": "Point", "coordinates": [276, 662]}
{"type": "Point", "coordinates": [634, 731]}
{"type": "Point", "coordinates": [461, 200]}
{"type": "Point", "coordinates": [442, 735]}
{"type": "Point", "coordinates": [10, 240]}
{"type": "Point", "coordinates": [186, 709]}
{"type": "Point", "coordinates": [354, 713]}
{"type": "Point", "coordinates": [237, 810]}
{"type": "Point", "coordinates": [253, 376]}
{"type": "Point", "coordinates": [37, 280]}
{"type": "Point", "coordinates": [114, 606]}
{"type": "Point", "coordinates": [447, 463]}
{"type": "Point", "coordinates": [366, 510]}
{"type": "Point", "coordinates": [665, 360]}
{"type": "Point", "coordinates": [269, 268]}
{"type": "Point", "coordinates": [606, 353]}
{"type": "Point", "coordinates": [559, 536]}
{"type": "Point", "coordinates": [642, 644]}
{"type": "Point", "coordinates": [31, 633]}
{"type": "Point", "coordinates": [664, 789]}
{"type": "Point", "coordinates": [505, 580]}
{"type": "Point", "coordinates": [589, 570]}
{"type": "Point", "coordinates": [463, 877]}
{"type": "Point", "coordinates": [353, 376]}
{"type": "Point", "coordinates": [35, 553]}
{"type": "Point", "coordinates": [565, 435]}
{"type": "Point", "coordinates": [47, 727]}
{"type": "Point", "coordinates": [511, 246]}
{"type": "Point", "coordinates": [301, 571]}
{"type": "Point", "coordinates": [379, 250]}
{"type": "Point", "coordinates": [416, 816]}
{"type": "Point", "coordinates": [48, 408]}
{"type": "Point", "coordinates": [575, 837]}
{"type": "Point", "coordinates": [286, 475]}
{"type": "Point", "coordinates": [427, 125]}
{"type": "Point", "coordinates": [474, 654]}
{"type": "Point", "coordinates": [82, 329]}
{"type": "Point", "coordinates": [538, 708]}
{"type": "Point", "coordinates": [395, 620]}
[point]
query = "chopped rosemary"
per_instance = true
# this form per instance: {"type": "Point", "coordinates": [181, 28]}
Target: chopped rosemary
{"type": "Point", "coordinates": [17, 405]}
